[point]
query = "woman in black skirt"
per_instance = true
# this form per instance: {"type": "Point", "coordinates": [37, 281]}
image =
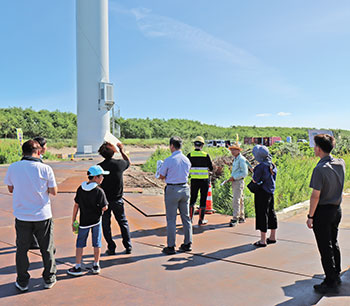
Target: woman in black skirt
{"type": "Point", "coordinates": [265, 175]}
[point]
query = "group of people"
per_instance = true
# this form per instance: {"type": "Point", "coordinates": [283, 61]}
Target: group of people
{"type": "Point", "coordinates": [31, 181]}
{"type": "Point", "coordinates": [327, 183]}
{"type": "Point", "coordinates": [101, 195]}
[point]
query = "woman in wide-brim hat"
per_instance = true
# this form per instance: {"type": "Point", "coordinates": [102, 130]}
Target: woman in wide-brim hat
{"type": "Point", "coordinates": [265, 175]}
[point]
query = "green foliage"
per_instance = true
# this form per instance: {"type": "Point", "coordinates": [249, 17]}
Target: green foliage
{"type": "Point", "coordinates": [293, 179]}
{"type": "Point", "coordinates": [54, 125]}
{"type": "Point", "coordinates": [342, 146]}
{"type": "Point", "coordinates": [295, 163]}
{"type": "Point", "coordinates": [347, 173]}
{"type": "Point", "coordinates": [61, 143]}
{"type": "Point", "coordinates": [145, 142]}
{"type": "Point", "coordinates": [10, 151]}
{"type": "Point", "coordinates": [222, 195]}
{"type": "Point", "coordinates": [188, 129]}
{"type": "Point", "coordinates": [151, 164]}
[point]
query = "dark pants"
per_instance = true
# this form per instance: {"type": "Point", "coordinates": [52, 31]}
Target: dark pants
{"type": "Point", "coordinates": [325, 227]}
{"type": "Point", "coordinates": [43, 232]}
{"type": "Point", "coordinates": [118, 211]}
{"type": "Point", "coordinates": [203, 186]}
{"type": "Point", "coordinates": [265, 216]}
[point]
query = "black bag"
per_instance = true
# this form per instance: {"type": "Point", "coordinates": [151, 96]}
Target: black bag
{"type": "Point", "coordinates": [254, 187]}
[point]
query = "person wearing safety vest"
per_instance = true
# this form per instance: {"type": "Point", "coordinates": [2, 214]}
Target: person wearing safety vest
{"type": "Point", "coordinates": [199, 174]}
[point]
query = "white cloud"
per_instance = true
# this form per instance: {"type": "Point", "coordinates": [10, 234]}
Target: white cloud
{"type": "Point", "coordinates": [263, 115]}
{"type": "Point", "coordinates": [283, 114]}
{"type": "Point", "coordinates": [247, 66]}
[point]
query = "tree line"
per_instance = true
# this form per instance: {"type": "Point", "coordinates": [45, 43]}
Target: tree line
{"type": "Point", "coordinates": [63, 125]}
{"type": "Point", "coordinates": [49, 124]}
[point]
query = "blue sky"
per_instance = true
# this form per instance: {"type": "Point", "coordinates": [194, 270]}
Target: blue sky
{"type": "Point", "coordinates": [226, 62]}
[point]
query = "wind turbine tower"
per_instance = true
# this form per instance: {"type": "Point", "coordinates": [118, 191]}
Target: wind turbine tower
{"type": "Point", "coordinates": [94, 92]}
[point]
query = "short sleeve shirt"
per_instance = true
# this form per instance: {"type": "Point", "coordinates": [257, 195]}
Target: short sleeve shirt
{"type": "Point", "coordinates": [176, 168]}
{"type": "Point", "coordinates": [90, 205]}
{"type": "Point", "coordinates": [328, 177]}
{"type": "Point", "coordinates": [30, 181]}
{"type": "Point", "coordinates": [112, 183]}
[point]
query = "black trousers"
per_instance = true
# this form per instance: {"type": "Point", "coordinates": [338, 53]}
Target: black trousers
{"type": "Point", "coordinates": [265, 216]}
{"type": "Point", "coordinates": [117, 207]}
{"type": "Point", "coordinates": [203, 186]}
{"type": "Point", "coordinates": [325, 227]}
{"type": "Point", "coordinates": [43, 232]}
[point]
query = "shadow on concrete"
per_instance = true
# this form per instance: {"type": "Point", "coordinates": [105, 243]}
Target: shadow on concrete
{"type": "Point", "coordinates": [127, 259]}
{"type": "Point", "coordinates": [302, 291]}
{"type": "Point", "coordinates": [35, 284]}
{"type": "Point", "coordinates": [199, 259]}
{"type": "Point", "coordinates": [161, 231]}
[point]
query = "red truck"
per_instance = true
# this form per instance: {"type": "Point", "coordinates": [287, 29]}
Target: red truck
{"type": "Point", "coordinates": [266, 141]}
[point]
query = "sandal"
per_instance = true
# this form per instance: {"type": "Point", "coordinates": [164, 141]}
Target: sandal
{"type": "Point", "coordinates": [258, 244]}
{"type": "Point", "coordinates": [269, 241]}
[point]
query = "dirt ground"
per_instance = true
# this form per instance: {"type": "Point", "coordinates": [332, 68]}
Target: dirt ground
{"type": "Point", "coordinates": [134, 177]}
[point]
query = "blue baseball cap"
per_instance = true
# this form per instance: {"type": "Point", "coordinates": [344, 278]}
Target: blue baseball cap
{"type": "Point", "coordinates": [96, 170]}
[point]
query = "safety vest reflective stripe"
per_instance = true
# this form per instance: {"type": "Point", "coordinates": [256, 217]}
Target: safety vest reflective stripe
{"type": "Point", "coordinates": [199, 172]}
{"type": "Point", "coordinates": [198, 154]}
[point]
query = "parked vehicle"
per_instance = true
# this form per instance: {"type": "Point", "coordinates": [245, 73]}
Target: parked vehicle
{"type": "Point", "coordinates": [216, 143]}
{"type": "Point", "coordinates": [266, 141]}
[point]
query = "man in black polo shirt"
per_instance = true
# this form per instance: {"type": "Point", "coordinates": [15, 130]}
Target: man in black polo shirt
{"type": "Point", "coordinates": [113, 188]}
{"type": "Point", "coordinates": [327, 182]}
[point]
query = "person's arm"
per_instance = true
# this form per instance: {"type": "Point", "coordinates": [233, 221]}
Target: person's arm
{"type": "Point", "coordinates": [10, 188]}
{"type": "Point", "coordinates": [52, 186]}
{"type": "Point", "coordinates": [121, 149]}
{"type": "Point", "coordinates": [257, 174]}
{"type": "Point", "coordinates": [53, 190]}
{"type": "Point", "coordinates": [75, 212]}
{"type": "Point", "coordinates": [210, 164]}
{"type": "Point", "coordinates": [104, 201]}
{"type": "Point", "coordinates": [163, 170]}
{"type": "Point", "coordinates": [314, 199]}
{"type": "Point", "coordinates": [244, 168]}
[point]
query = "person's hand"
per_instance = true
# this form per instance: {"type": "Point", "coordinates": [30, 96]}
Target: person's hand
{"type": "Point", "coordinates": [309, 222]}
{"type": "Point", "coordinates": [120, 146]}
{"type": "Point", "coordinates": [73, 229]}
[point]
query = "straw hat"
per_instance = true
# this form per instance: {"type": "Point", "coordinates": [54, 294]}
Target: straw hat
{"type": "Point", "coordinates": [235, 146]}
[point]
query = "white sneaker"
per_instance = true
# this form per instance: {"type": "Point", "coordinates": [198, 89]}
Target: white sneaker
{"type": "Point", "coordinates": [96, 269]}
{"type": "Point", "coordinates": [25, 288]}
{"type": "Point", "coordinates": [49, 285]}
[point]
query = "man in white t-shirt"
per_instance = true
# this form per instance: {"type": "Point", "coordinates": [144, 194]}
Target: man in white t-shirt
{"type": "Point", "coordinates": [31, 182]}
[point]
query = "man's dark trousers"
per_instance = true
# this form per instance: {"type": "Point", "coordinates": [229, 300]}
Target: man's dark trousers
{"type": "Point", "coordinates": [117, 207]}
{"type": "Point", "coordinates": [325, 226]}
{"type": "Point", "coordinates": [43, 231]}
{"type": "Point", "coordinates": [203, 186]}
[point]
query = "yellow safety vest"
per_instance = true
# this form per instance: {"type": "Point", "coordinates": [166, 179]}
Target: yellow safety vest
{"type": "Point", "coordinates": [199, 172]}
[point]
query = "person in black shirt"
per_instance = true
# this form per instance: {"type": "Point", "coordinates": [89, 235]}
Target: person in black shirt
{"type": "Point", "coordinates": [199, 173]}
{"type": "Point", "coordinates": [91, 201]}
{"type": "Point", "coordinates": [327, 183]}
{"type": "Point", "coordinates": [113, 187]}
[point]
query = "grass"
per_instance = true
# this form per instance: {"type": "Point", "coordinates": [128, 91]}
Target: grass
{"type": "Point", "coordinates": [10, 151]}
{"type": "Point", "coordinates": [145, 142]}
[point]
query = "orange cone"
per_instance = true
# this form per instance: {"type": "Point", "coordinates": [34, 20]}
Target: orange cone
{"type": "Point", "coordinates": [209, 205]}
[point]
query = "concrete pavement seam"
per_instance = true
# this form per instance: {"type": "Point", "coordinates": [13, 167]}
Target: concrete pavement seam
{"type": "Point", "coordinates": [237, 262]}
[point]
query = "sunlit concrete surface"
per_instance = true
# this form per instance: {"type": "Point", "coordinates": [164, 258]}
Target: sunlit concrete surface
{"type": "Point", "coordinates": [223, 268]}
